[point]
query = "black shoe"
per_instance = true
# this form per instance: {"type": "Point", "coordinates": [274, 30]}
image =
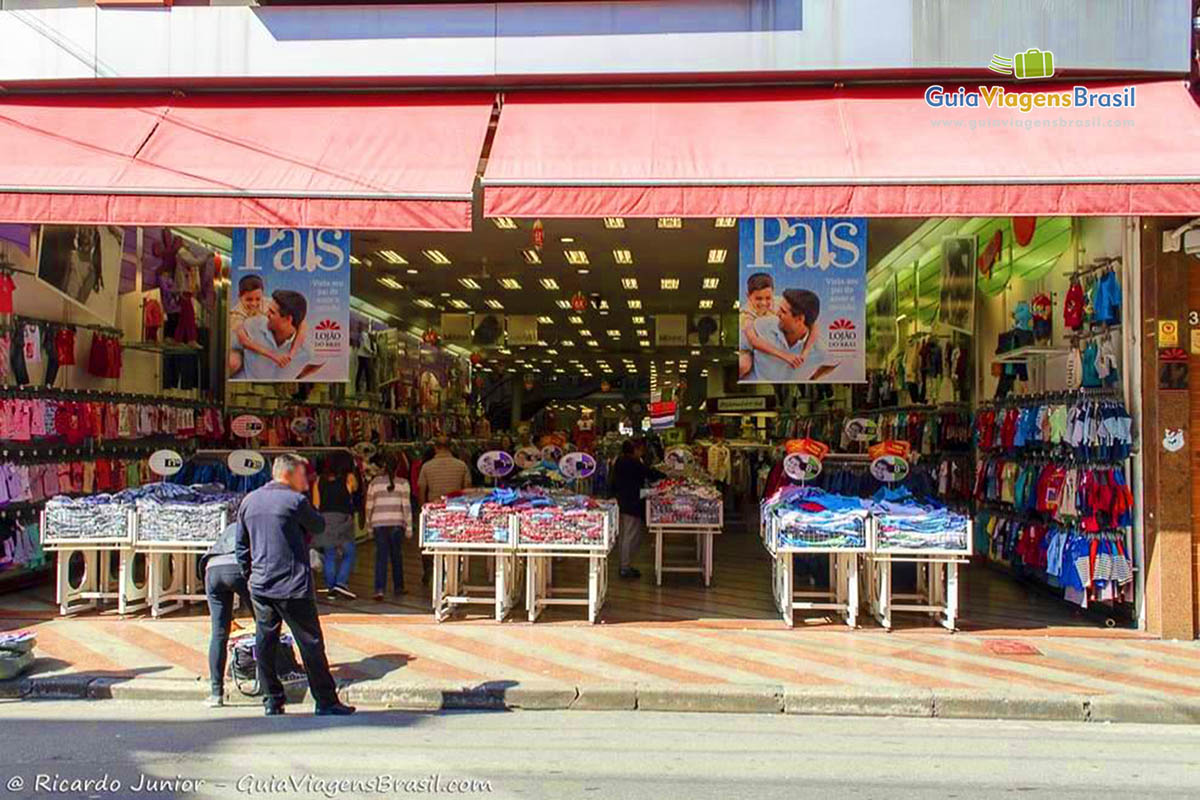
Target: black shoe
{"type": "Point", "coordinates": [344, 592]}
{"type": "Point", "coordinates": [629, 573]}
{"type": "Point", "coordinates": [336, 710]}
{"type": "Point", "coordinates": [274, 711]}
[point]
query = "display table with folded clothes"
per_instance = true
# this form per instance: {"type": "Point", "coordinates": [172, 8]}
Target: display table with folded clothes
{"type": "Point", "coordinates": [799, 518]}
{"type": "Point", "coordinates": [163, 513]}
{"type": "Point", "coordinates": [905, 525]}
{"type": "Point", "coordinates": [531, 517]}
{"type": "Point", "coordinates": [687, 501]}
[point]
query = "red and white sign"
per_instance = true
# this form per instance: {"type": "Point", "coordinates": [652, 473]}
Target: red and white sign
{"type": "Point", "coordinates": [247, 426]}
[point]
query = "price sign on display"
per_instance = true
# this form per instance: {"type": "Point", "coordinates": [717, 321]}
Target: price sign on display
{"type": "Point", "coordinates": [165, 462]}
{"type": "Point", "coordinates": [861, 429]}
{"type": "Point", "coordinates": [889, 469]}
{"type": "Point", "coordinates": [246, 462]}
{"type": "Point", "coordinates": [552, 453]}
{"type": "Point", "coordinates": [247, 426]}
{"type": "Point", "coordinates": [303, 426]}
{"type": "Point", "coordinates": [801, 467]}
{"type": "Point", "coordinates": [495, 463]}
{"type": "Point", "coordinates": [677, 458]}
{"type": "Point", "coordinates": [810, 446]}
{"type": "Point", "coordinates": [577, 465]}
{"type": "Point", "coordinates": [527, 457]}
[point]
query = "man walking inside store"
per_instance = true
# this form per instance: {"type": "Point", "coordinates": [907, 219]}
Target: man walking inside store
{"type": "Point", "coordinates": [629, 476]}
{"type": "Point", "coordinates": [274, 524]}
{"type": "Point", "coordinates": [441, 475]}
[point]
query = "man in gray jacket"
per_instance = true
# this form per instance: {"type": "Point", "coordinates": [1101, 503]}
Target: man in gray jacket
{"type": "Point", "coordinates": [274, 525]}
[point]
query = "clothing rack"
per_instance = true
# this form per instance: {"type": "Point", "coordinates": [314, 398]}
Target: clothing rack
{"type": "Point", "coordinates": [1105, 262]}
{"type": "Point", "coordinates": [1069, 395]}
{"type": "Point", "coordinates": [21, 318]}
{"type": "Point", "coordinates": [48, 393]}
{"type": "Point", "coordinates": [292, 405]}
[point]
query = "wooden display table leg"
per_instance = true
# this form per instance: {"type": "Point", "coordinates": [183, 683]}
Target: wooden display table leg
{"type": "Point", "coordinates": [851, 588]}
{"type": "Point", "coordinates": [951, 618]}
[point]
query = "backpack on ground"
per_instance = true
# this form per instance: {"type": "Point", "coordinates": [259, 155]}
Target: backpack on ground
{"type": "Point", "coordinates": [243, 664]}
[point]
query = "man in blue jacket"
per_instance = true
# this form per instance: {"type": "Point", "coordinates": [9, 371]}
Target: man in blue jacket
{"type": "Point", "coordinates": [274, 523]}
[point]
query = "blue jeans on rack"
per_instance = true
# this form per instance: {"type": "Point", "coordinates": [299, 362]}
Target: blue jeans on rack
{"type": "Point", "coordinates": [338, 569]}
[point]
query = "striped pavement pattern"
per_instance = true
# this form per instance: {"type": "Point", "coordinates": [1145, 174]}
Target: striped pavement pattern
{"type": "Point", "coordinates": [1014, 640]}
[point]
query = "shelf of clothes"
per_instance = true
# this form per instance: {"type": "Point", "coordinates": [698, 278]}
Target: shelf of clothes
{"type": "Point", "coordinates": [34, 341]}
{"type": "Point", "coordinates": [532, 517]}
{"type": "Point", "coordinates": [692, 501]}
{"type": "Point", "coordinates": [1086, 427]}
{"type": "Point", "coordinates": [26, 482]}
{"type": "Point", "coordinates": [156, 513]}
{"type": "Point", "coordinates": [68, 420]}
{"type": "Point", "coordinates": [1088, 567]}
{"type": "Point", "coordinates": [1096, 498]}
{"type": "Point", "coordinates": [928, 369]}
{"type": "Point", "coordinates": [810, 518]}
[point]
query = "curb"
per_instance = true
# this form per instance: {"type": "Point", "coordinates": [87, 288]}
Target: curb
{"type": "Point", "coordinates": [732, 699]}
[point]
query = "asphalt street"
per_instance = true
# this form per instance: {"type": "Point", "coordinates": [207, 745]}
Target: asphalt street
{"type": "Point", "coordinates": [159, 750]}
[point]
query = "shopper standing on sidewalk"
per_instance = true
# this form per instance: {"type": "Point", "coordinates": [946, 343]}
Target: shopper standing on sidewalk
{"type": "Point", "coordinates": [223, 580]}
{"type": "Point", "coordinates": [629, 476]}
{"type": "Point", "coordinates": [336, 497]}
{"type": "Point", "coordinates": [442, 474]}
{"type": "Point", "coordinates": [389, 518]}
{"type": "Point", "coordinates": [273, 527]}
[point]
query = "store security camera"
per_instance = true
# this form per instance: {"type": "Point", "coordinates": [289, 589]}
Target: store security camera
{"type": "Point", "coordinates": [1185, 237]}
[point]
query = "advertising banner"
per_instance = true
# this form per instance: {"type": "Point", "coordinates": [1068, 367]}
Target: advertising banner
{"type": "Point", "coordinates": [289, 305]}
{"type": "Point", "coordinates": [802, 293]}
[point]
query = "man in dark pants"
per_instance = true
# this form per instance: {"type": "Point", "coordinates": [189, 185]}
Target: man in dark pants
{"type": "Point", "coordinates": [273, 525]}
{"type": "Point", "coordinates": [629, 476]}
{"type": "Point", "coordinates": [223, 580]}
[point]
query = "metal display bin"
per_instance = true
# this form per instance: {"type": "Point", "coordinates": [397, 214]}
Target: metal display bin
{"type": "Point", "coordinates": [570, 525]}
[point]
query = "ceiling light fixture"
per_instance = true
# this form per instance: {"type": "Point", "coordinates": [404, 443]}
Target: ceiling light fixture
{"type": "Point", "coordinates": [531, 256]}
{"type": "Point", "coordinates": [436, 256]}
{"type": "Point", "coordinates": [413, 271]}
{"type": "Point", "coordinates": [574, 319]}
{"type": "Point", "coordinates": [592, 343]}
{"type": "Point", "coordinates": [567, 343]}
{"type": "Point", "coordinates": [576, 257]}
{"type": "Point", "coordinates": [460, 304]}
{"type": "Point", "coordinates": [717, 255]}
{"type": "Point", "coordinates": [712, 283]}
{"type": "Point", "coordinates": [423, 303]}
{"type": "Point", "coordinates": [706, 304]}
{"type": "Point", "coordinates": [493, 303]}
{"type": "Point", "coordinates": [669, 284]}
{"type": "Point", "coordinates": [510, 283]}
{"type": "Point", "coordinates": [392, 257]}
{"type": "Point", "coordinates": [629, 283]}
{"type": "Point", "coordinates": [670, 223]}
{"type": "Point", "coordinates": [391, 283]}
{"type": "Point", "coordinates": [505, 223]}
{"type": "Point", "coordinates": [549, 283]}
{"type": "Point", "coordinates": [544, 320]}
{"type": "Point", "coordinates": [634, 304]}
{"type": "Point", "coordinates": [639, 320]}
{"type": "Point", "coordinates": [584, 332]}
{"type": "Point", "coordinates": [644, 342]}
{"type": "Point", "coordinates": [623, 256]}
{"type": "Point", "coordinates": [613, 333]}
{"type": "Point", "coordinates": [614, 223]}
{"type": "Point", "coordinates": [562, 303]}
{"type": "Point", "coordinates": [469, 283]}
{"type": "Point", "coordinates": [642, 332]}
{"type": "Point", "coordinates": [725, 222]}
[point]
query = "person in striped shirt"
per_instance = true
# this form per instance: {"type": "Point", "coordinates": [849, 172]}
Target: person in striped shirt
{"type": "Point", "coordinates": [389, 518]}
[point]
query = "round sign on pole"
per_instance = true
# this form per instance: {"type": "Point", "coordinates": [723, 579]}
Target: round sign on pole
{"type": "Point", "coordinates": [861, 429]}
{"type": "Point", "coordinates": [802, 467]}
{"type": "Point", "coordinates": [495, 463]}
{"type": "Point", "coordinates": [246, 462]}
{"type": "Point", "coordinates": [677, 458]}
{"type": "Point", "coordinates": [551, 453]}
{"type": "Point", "coordinates": [890, 468]}
{"type": "Point", "coordinates": [247, 426]}
{"type": "Point", "coordinates": [528, 456]}
{"type": "Point", "coordinates": [165, 462]}
{"type": "Point", "coordinates": [577, 465]}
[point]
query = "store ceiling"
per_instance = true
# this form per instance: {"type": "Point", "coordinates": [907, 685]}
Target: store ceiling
{"type": "Point", "coordinates": [490, 254]}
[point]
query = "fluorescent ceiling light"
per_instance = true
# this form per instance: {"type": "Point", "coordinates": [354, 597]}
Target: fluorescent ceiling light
{"type": "Point", "coordinates": [505, 223]}
{"type": "Point", "coordinates": [469, 283]}
{"type": "Point", "coordinates": [669, 284]}
{"type": "Point", "coordinates": [711, 283]}
{"type": "Point", "coordinates": [567, 343]}
{"type": "Point", "coordinates": [436, 256]}
{"type": "Point", "coordinates": [629, 283]}
{"type": "Point", "coordinates": [634, 304]}
{"type": "Point", "coordinates": [614, 223]}
{"type": "Point", "coordinates": [717, 255]}
{"type": "Point", "coordinates": [639, 320]}
{"type": "Point", "coordinates": [544, 320]}
{"type": "Point", "coordinates": [551, 351]}
{"type": "Point", "coordinates": [413, 271]}
{"type": "Point", "coordinates": [584, 332]}
{"type": "Point", "coordinates": [643, 332]}
{"type": "Point", "coordinates": [575, 319]}
{"type": "Point", "coordinates": [531, 256]}
{"type": "Point", "coordinates": [613, 333]}
{"type": "Point", "coordinates": [392, 257]}
{"type": "Point", "coordinates": [706, 304]}
{"type": "Point", "coordinates": [644, 342]}
{"type": "Point", "coordinates": [725, 222]}
{"type": "Point", "coordinates": [493, 303]}
{"type": "Point", "coordinates": [623, 256]}
{"type": "Point", "coordinates": [549, 283]}
{"type": "Point", "coordinates": [510, 283]}
{"type": "Point", "coordinates": [576, 257]}
{"type": "Point", "coordinates": [354, 260]}
{"type": "Point", "coordinates": [423, 303]}
{"type": "Point", "coordinates": [562, 303]}
{"type": "Point", "coordinates": [670, 223]}
{"type": "Point", "coordinates": [459, 304]}
{"type": "Point", "coordinates": [592, 343]}
{"type": "Point", "coordinates": [391, 283]}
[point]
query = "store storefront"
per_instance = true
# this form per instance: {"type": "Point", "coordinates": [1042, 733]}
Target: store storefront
{"type": "Point", "coordinates": [1010, 349]}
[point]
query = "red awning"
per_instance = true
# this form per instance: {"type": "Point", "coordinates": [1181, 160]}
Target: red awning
{"type": "Point", "coordinates": [394, 162]}
{"type": "Point", "coordinates": [875, 151]}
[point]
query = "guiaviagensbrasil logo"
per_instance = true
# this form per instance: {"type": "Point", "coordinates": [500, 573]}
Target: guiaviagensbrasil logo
{"type": "Point", "coordinates": [1033, 63]}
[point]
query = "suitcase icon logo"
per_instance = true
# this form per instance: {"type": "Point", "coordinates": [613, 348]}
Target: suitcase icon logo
{"type": "Point", "coordinates": [1031, 64]}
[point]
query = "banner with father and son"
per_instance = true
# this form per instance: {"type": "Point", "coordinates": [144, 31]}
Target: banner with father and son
{"type": "Point", "coordinates": [289, 305]}
{"type": "Point", "coordinates": [802, 300]}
